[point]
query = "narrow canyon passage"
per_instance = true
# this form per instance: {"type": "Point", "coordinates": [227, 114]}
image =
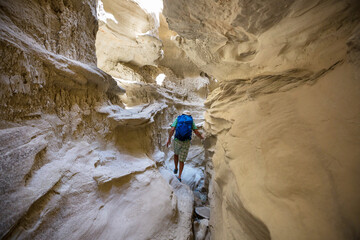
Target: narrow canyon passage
{"type": "Point", "coordinates": [88, 90]}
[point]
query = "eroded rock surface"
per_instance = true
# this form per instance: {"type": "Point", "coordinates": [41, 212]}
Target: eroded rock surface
{"type": "Point", "coordinates": [240, 39]}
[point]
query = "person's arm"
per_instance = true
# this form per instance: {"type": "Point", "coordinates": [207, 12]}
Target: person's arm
{"type": "Point", "coordinates": [171, 133]}
{"type": "Point", "coordinates": [198, 134]}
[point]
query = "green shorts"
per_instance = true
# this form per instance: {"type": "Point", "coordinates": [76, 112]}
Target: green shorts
{"type": "Point", "coordinates": [181, 148]}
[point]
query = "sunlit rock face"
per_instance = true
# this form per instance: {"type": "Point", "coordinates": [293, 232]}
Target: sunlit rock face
{"type": "Point", "coordinates": [127, 34]}
{"type": "Point", "coordinates": [174, 57]}
{"type": "Point", "coordinates": [283, 124]}
{"type": "Point", "coordinates": [132, 35]}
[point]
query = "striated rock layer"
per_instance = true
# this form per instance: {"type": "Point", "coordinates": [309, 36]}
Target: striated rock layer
{"type": "Point", "coordinates": [286, 161]}
{"type": "Point", "coordinates": [232, 39]}
{"type": "Point", "coordinates": [284, 122]}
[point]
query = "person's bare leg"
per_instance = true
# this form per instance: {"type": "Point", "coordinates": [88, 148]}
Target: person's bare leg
{"type": "Point", "coordinates": [176, 160]}
{"type": "Point", "coordinates": [181, 168]}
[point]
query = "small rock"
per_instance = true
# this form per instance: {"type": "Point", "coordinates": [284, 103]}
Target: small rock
{"type": "Point", "coordinates": [203, 212]}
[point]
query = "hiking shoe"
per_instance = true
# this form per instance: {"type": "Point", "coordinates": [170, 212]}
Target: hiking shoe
{"type": "Point", "coordinates": [175, 171]}
{"type": "Point", "coordinates": [179, 179]}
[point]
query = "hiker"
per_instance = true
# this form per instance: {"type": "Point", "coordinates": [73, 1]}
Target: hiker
{"type": "Point", "coordinates": [184, 125]}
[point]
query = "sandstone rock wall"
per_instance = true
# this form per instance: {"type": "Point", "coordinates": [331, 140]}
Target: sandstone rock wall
{"type": "Point", "coordinates": [290, 158]}
{"type": "Point", "coordinates": [284, 122]}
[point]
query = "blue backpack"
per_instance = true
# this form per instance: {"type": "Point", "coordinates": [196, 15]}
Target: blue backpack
{"type": "Point", "coordinates": [184, 127]}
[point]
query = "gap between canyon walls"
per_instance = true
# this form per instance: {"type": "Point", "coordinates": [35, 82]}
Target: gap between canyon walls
{"type": "Point", "coordinates": [157, 75]}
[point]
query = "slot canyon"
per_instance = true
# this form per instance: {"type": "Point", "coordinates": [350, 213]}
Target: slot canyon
{"type": "Point", "coordinates": [89, 90]}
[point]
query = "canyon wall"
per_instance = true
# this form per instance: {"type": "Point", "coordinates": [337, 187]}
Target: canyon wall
{"type": "Point", "coordinates": [283, 124]}
{"type": "Point", "coordinates": [80, 158]}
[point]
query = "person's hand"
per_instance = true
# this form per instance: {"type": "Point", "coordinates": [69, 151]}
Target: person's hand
{"type": "Point", "coordinates": [202, 138]}
{"type": "Point", "coordinates": [168, 142]}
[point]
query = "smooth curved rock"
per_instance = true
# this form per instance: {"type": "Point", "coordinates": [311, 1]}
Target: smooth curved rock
{"type": "Point", "coordinates": [126, 29]}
